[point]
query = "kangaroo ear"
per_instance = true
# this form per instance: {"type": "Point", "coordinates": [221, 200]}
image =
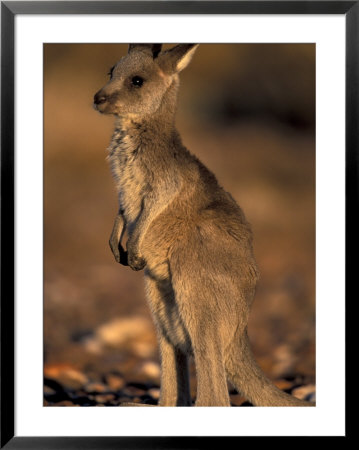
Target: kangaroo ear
{"type": "Point", "coordinates": [152, 49]}
{"type": "Point", "coordinates": [177, 58]}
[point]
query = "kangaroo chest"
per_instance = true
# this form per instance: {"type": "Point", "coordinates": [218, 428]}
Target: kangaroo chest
{"type": "Point", "coordinates": [129, 175]}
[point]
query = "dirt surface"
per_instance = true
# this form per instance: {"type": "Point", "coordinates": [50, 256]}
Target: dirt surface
{"type": "Point", "coordinates": [66, 386]}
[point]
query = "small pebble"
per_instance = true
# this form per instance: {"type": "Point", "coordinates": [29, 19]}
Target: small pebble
{"type": "Point", "coordinates": [96, 388]}
{"type": "Point", "coordinates": [237, 400]}
{"type": "Point", "coordinates": [71, 379]}
{"type": "Point", "coordinates": [124, 399]}
{"type": "Point", "coordinates": [151, 369]}
{"type": "Point", "coordinates": [143, 349]}
{"type": "Point", "coordinates": [104, 398]}
{"type": "Point", "coordinates": [155, 393]}
{"type": "Point", "coordinates": [133, 391]}
{"type": "Point", "coordinates": [119, 331]}
{"type": "Point", "coordinates": [49, 391]}
{"type": "Point", "coordinates": [115, 382]}
{"type": "Point", "coordinates": [64, 403]}
{"type": "Point", "coordinates": [283, 384]}
{"type": "Point", "coordinates": [305, 392]}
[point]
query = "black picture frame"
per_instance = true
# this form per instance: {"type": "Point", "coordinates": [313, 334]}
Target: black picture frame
{"type": "Point", "coordinates": [9, 9]}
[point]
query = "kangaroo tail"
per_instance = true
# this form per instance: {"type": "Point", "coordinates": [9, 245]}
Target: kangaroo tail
{"type": "Point", "coordinates": [248, 378]}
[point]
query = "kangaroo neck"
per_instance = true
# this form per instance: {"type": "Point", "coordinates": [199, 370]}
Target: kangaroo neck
{"type": "Point", "coordinates": [155, 129]}
{"type": "Point", "coordinates": [143, 132]}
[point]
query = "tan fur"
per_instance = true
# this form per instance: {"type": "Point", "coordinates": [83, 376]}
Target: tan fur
{"type": "Point", "coordinates": [188, 234]}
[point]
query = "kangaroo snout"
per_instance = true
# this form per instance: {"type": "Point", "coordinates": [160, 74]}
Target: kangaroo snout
{"type": "Point", "coordinates": [99, 99]}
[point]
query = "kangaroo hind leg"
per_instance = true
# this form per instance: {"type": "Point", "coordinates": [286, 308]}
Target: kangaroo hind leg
{"type": "Point", "coordinates": [173, 344]}
{"type": "Point", "coordinates": [212, 389]}
{"type": "Point", "coordinates": [207, 347]}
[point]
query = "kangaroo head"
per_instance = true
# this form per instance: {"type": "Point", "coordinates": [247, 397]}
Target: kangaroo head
{"type": "Point", "coordinates": [140, 80]}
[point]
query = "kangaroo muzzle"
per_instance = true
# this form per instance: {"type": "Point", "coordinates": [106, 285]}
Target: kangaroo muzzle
{"type": "Point", "coordinates": [99, 99]}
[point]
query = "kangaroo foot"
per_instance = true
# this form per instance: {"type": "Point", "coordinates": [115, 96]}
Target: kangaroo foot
{"type": "Point", "coordinates": [135, 404]}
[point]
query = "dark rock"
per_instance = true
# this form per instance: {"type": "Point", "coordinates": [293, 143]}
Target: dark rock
{"type": "Point", "coordinates": [137, 385]}
{"type": "Point", "coordinates": [148, 400]}
{"type": "Point", "coordinates": [81, 335]}
{"type": "Point", "coordinates": [84, 401]}
{"type": "Point", "coordinates": [53, 384]}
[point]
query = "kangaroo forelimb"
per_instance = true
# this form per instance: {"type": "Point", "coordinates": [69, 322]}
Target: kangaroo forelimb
{"type": "Point", "coordinates": [152, 205]}
{"type": "Point", "coordinates": [118, 230]}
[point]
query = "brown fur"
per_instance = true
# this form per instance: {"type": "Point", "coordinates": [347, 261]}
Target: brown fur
{"type": "Point", "coordinates": [188, 234]}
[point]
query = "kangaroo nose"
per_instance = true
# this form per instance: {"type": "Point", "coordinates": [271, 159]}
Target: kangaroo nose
{"type": "Point", "coordinates": [99, 98]}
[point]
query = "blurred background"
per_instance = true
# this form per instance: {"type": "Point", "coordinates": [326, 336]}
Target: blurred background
{"type": "Point", "coordinates": [248, 112]}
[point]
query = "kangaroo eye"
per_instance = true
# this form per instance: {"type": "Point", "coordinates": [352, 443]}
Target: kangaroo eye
{"type": "Point", "coordinates": [137, 81]}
